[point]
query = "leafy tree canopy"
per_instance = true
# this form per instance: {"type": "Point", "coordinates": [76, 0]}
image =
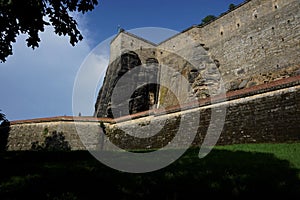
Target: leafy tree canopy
{"type": "Point", "coordinates": [2, 117]}
{"type": "Point", "coordinates": [28, 17]}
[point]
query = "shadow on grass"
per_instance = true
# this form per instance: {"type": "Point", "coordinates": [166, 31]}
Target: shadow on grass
{"type": "Point", "coordinates": [77, 175]}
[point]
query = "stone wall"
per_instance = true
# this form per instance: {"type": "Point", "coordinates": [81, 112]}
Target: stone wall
{"type": "Point", "coordinates": [258, 37]}
{"type": "Point", "coordinates": [116, 74]}
{"type": "Point", "coordinates": [125, 42]}
{"type": "Point", "coordinates": [21, 135]}
{"type": "Point", "coordinates": [188, 59]}
{"type": "Point", "coordinates": [255, 43]}
{"type": "Point", "coordinates": [260, 114]}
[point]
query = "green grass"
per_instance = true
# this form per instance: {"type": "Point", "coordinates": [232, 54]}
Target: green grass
{"type": "Point", "coordinates": [289, 152]}
{"type": "Point", "coordinates": [246, 171]}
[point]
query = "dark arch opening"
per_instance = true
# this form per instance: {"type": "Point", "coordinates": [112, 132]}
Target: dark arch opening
{"type": "Point", "coordinates": [129, 60]}
{"type": "Point", "coordinates": [126, 62]}
{"type": "Point", "coordinates": [146, 97]}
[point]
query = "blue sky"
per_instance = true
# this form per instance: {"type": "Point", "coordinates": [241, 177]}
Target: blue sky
{"type": "Point", "coordinates": [39, 83]}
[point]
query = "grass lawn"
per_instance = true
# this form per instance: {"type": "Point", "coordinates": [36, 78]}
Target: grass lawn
{"type": "Point", "coordinates": [289, 152]}
{"type": "Point", "coordinates": [250, 170]}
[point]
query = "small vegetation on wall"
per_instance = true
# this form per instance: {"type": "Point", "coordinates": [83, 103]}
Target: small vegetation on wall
{"type": "Point", "coordinates": [231, 6]}
{"type": "Point", "coordinates": [45, 131]}
{"type": "Point", "coordinates": [210, 18]}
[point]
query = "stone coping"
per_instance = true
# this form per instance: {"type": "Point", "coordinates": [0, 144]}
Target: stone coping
{"type": "Point", "coordinates": [62, 118]}
{"type": "Point", "coordinates": [258, 89]}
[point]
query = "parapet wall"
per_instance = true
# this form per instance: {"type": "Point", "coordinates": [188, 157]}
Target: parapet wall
{"type": "Point", "coordinates": [264, 113]}
{"type": "Point", "coordinates": [21, 135]}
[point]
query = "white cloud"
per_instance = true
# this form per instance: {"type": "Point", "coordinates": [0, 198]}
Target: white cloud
{"type": "Point", "coordinates": [88, 82]}
{"type": "Point", "coordinates": [39, 83]}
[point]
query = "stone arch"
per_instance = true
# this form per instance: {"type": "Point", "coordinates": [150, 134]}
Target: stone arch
{"type": "Point", "coordinates": [195, 64]}
{"type": "Point", "coordinates": [126, 61]}
{"type": "Point", "coordinates": [129, 60]}
{"type": "Point", "coordinates": [146, 97]}
{"type": "Point", "coordinates": [153, 89]}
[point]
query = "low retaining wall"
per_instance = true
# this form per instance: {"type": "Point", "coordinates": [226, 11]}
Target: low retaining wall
{"type": "Point", "coordinates": [269, 117]}
{"type": "Point", "coordinates": [265, 113]}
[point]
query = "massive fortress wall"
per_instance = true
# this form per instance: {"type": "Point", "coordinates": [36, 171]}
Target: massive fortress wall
{"type": "Point", "coordinates": [259, 37]}
{"type": "Point", "coordinates": [257, 42]}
